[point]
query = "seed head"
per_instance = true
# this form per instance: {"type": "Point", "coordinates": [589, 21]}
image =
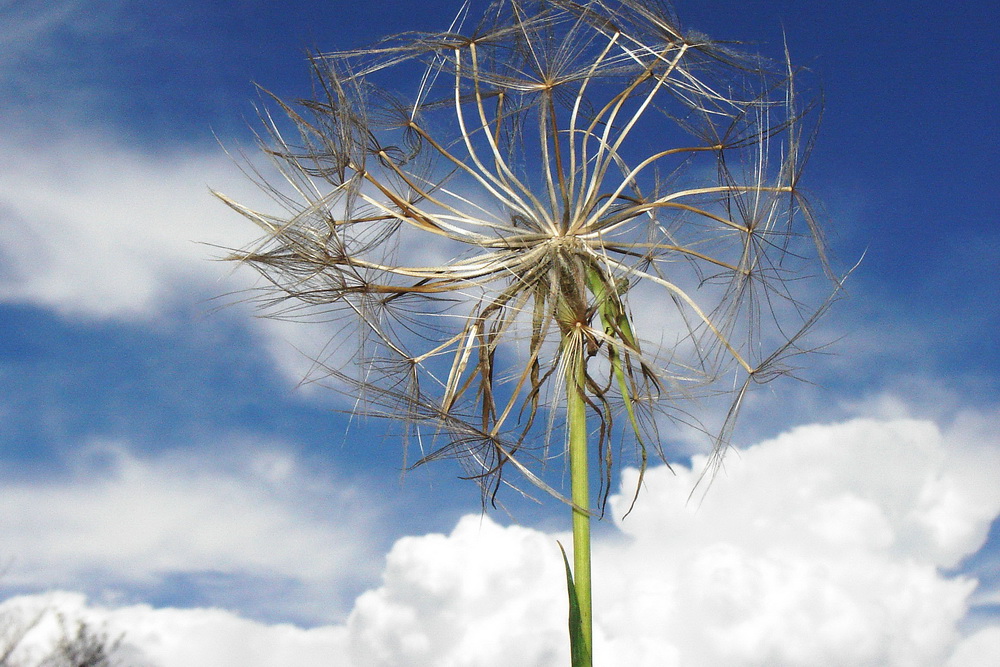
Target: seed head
{"type": "Point", "coordinates": [562, 181]}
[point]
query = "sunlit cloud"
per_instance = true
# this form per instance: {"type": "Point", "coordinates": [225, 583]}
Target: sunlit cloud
{"type": "Point", "coordinates": [92, 228]}
{"type": "Point", "coordinates": [256, 519]}
{"type": "Point", "coordinates": [174, 637]}
{"type": "Point", "coordinates": [830, 544]}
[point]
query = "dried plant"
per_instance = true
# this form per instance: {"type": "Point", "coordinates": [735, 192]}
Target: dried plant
{"type": "Point", "coordinates": [570, 219]}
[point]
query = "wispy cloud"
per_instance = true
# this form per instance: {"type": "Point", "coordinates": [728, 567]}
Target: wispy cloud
{"type": "Point", "coordinates": [93, 228]}
{"type": "Point", "coordinates": [28, 24]}
{"type": "Point", "coordinates": [41, 68]}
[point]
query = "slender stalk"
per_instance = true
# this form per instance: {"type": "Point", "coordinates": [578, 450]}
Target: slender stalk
{"type": "Point", "coordinates": [576, 415]}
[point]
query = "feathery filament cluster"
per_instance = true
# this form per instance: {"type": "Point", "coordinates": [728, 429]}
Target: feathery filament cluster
{"type": "Point", "coordinates": [564, 190]}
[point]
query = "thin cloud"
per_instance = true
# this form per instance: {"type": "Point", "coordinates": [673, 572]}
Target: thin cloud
{"type": "Point", "coordinates": [93, 229]}
{"type": "Point", "coordinates": [44, 77]}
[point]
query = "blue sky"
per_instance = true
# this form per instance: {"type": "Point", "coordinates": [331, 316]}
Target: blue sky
{"type": "Point", "coordinates": [158, 450]}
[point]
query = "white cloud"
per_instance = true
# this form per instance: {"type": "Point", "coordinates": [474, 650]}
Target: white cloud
{"type": "Point", "coordinates": [95, 229]}
{"type": "Point", "coordinates": [118, 522]}
{"type": "Point", "coordinates": [181, 637]}
{"type": "Point", "coordinates": [483, 595]}
{"type": "Point", "coordinates": [91, 227]}
{"type": "Point", "coordinates": [982, 648]}
{"type": "Point", "coordinates": [822, 546]}
{"type": "Point", "coordinates": [826, 545]}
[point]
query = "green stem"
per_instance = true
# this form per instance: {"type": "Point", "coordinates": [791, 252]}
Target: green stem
{"type": "Point", "coordinates": [576, 415]}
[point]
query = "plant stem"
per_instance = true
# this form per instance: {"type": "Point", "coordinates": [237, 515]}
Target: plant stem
{"type": "Point", "coordinates": [576, 416]}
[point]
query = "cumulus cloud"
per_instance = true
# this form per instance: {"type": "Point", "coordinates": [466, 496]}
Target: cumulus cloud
{"type": "Point", "coordinates": [162, 637]}
{"type": "Point", "coordinates": [823, 546]}
{"type": "Point", "coordinates": [982, 648]}
{"type": "Point", "coordinates": [239, 529]}
{"type": "Point", "coordinates": [831, 544]}
{"type": "Point", "coordinates": [483, 595]}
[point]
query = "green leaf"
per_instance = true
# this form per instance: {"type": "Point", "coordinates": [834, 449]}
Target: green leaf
{"type": "Point", "coordinates": [579, 651]}
{"type": "Point", "coordinates": [616, 325]}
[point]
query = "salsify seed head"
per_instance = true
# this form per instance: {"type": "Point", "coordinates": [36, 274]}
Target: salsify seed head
{"type": "Point", "coordinates": [559, 183]}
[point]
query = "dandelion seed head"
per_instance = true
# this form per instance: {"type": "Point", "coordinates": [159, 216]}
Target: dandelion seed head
{"type": "Point", "coordinates": [562, 181]}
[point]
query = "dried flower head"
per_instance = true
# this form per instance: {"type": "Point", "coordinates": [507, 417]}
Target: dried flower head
{"type": "Point", "coordinates": [567, 199]}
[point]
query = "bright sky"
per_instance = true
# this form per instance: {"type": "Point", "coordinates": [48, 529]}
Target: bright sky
{"type": "Point", "coordinates": [163, 473]}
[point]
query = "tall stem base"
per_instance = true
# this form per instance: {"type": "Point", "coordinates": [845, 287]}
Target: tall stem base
{"type": "Point", "coordinates": [579, 478]}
